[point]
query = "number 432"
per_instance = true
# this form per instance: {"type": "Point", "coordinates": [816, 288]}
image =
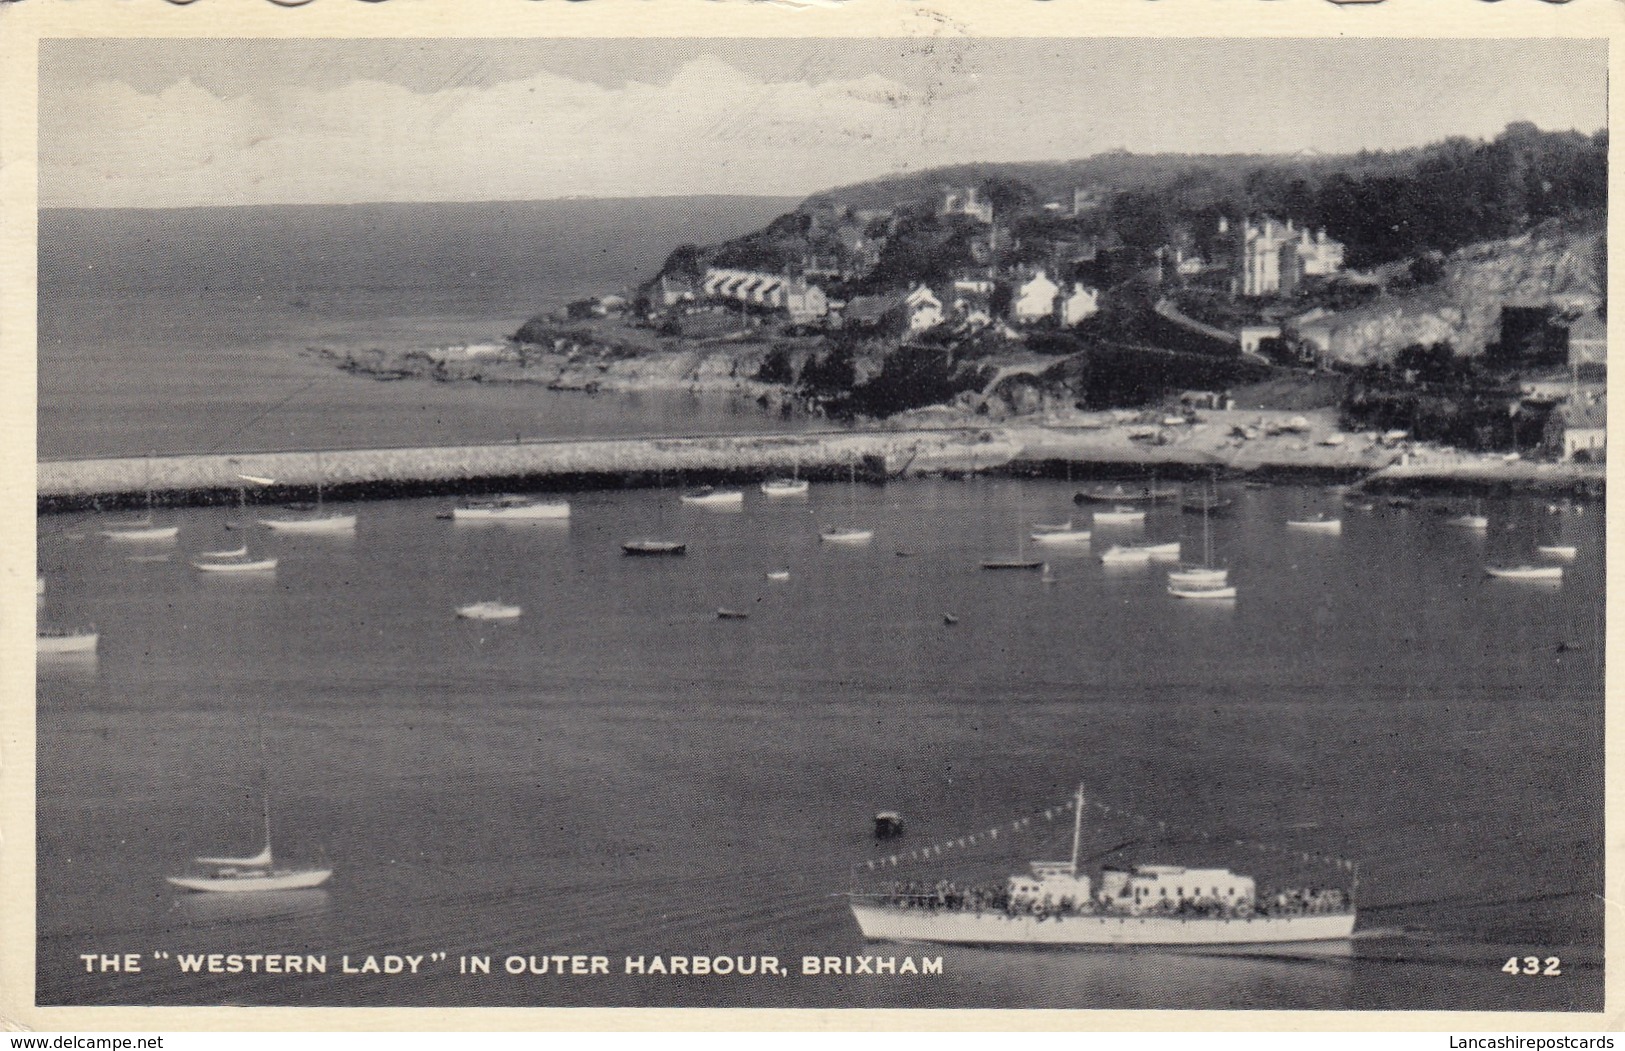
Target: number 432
{"type": "Point", "coordinates": [1532, 965]}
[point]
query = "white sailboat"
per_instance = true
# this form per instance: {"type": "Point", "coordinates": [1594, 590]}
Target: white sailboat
{"type": "Point", "coordinates": [1525, 572]}
{"type": "Point", "coordinates": [232, 875]}
{"type": "Point", "coordinates": [709, 496]}
{"type": "Point", "coordinates": [1120, 516]}
{"type": "Point", "coordinates": [795, 485]}
{"type": "Point", "coordinates": [852, 533]}
{"type": "Point", "coordinates": [650, 546]}
{"type": "Point", "coordinates": [142, 530]}
{"type": "Point", "coordinates": [316, 522]}
{"type": "Point", "coordinates": [1205, 580]}
{"type": "Point", "coordinates": [1321, 523]}
{"type": "Point", "coordinates": [490, 610]}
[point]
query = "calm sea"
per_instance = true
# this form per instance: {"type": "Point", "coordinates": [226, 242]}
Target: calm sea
{"type": "Point", "coordinates": [619, 772]}
{"type": "Point", "coordinates": [185, 330]}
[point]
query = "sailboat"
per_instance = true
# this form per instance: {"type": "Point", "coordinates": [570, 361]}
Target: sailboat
{"type": "Point", "coordinates": [58, 641]}
{"type": "Point", "coordinates": [1119, 515]}
{"type": "Point", "coordinates": [1475, 521]}
{"type": "Point", "coordinates": [849, 534]}
{"type": "Point", "coordinates": [795, 485]}
{"type": "Point", "coordinates": [257, 873]}
{"type": "Point", "coordinates": [316, 521]}
{"type": "Point", "coordinates": [1205, 580]}
{"type": "Point", "coordinates": [646, 547]}
{"type": "Point", "coordinates": [1021, 561]}
{"type": "Point", "coordinates": [143, 530]}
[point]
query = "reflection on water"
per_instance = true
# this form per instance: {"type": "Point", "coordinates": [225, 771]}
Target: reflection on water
{"type": "Point", "coordinates": [204, 909]}
{"type": "Point", "coordinates": [618, 771]}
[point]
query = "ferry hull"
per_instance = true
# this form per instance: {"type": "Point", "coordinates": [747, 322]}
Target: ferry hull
{"type": "Point", "coordinates": [880, 923]}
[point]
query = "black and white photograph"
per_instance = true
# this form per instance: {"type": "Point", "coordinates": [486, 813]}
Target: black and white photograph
{"type": "Point", "coordinates": [931, 520]}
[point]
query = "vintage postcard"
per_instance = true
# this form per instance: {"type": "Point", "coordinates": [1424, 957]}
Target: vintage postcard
{"type": "Point", "coordinates": [1089, 513]}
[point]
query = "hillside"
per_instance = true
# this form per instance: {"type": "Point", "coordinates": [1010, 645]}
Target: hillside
{"type": "Point", "coordinates": [1560, 263]}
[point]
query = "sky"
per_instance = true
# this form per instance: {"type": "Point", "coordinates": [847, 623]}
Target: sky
{"type": "Point", "coordinates": [171, 123]}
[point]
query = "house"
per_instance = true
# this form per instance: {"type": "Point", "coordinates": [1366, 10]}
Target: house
{"type": "Point", "coordinates": [668, 291]}
{"type": "Point", "coordinates": [1579, 427]}
{"type": "Point", "coordinates": [1035, 299]}
{"type": "Point", "coordinates": [1273, 257]}
{"type": "Point", "coordinates": [1253, 336]}
{"type": "Point", "coordinates": [922, 309]}
{"type": "Point", "coordinates": [967, 202]}
{"type": "Point", "coordinates": [878, 313]}
{"type": "Point", "coordinates": [805, 302]}
{"type": "Point", "coordinates": [604, 306]}
{"type": "Point", "coordinates": [1588, 343]}
{"type": "Point", "coordinates": [1079, 303]}
{"type": "Point", "coordinates": [1315, 328]}
{"type": "Point", "coordinates": [1087, 199]}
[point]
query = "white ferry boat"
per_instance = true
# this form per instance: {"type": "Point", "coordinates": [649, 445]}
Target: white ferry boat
{"type": "Point", "coordinates": [509, 508]}
{"type": "Point", "coordinates": [1057, 904]}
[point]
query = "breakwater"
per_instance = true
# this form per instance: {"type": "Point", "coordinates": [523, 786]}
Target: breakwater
{"type": "Point", "coordinates": [872, 456]}
{"type": "Point", "coordinates": [541, 466]}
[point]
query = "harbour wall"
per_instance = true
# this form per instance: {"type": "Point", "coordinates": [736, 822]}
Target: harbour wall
{"type": "Point", "coordinates": [872, 456]}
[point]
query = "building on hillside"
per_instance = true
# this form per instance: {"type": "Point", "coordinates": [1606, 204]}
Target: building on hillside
{"type": "Point", "coordinates": [923, 309]}
{"type": "Point", "coordinates": [968, 201]}
{"type": "Point", "coordinates": [1081, 302]}
{"type": "Point", "coordinates": [669, 291]}
{"type": "Point", "coordinates": [1588, 344]}
{"type": "Point", "coordinates": [1035, 299]}
{"type": "Point", "coordinates": [883, 314]}
{"type": "Point", "coordinates": [1274, 258]}
{"type": "Point", "coordinates": [1086, 199]}
{"type": "Point", "coordinates": [1578, 428]}
{"type": "Point", "coordinates": [1253, 337]}
{"type": "Point", "coordinates": [805, 302]}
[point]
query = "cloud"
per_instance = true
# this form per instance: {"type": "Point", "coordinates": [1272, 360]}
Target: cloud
{"type": "Point", "coordinates": [710, 129]}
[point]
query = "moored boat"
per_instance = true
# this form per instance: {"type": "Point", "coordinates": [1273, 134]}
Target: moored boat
{"type": "Point", "coordinates": [250, 875]}
{"type": "Point", "coordinates": [1125, 555]}
{"type": "Point", "coordinates": [654, 547]}
{"type": "Point", "coordinates": [1119, 516]}
{"type": "Point", "coordinates": [1566, 552]}
{"type": "Point", "coordinates": [489, 610]}
{"type": "Point", "coordinates": [316, 523]}
{"type": "Point", "coordinates": [1118, 494]}
{"type": "Point", "coordinates": [778, 574]}
{"type": "Point", "coordinates": [781, 487]}
{"type": "Point", "coordinates": [1012, 563]}
{"type": "Point", "coordinates": [1061, 536]}
{"type": "Point", "coordinates": [508, 507]}
{"type": "Point", "coordinates": [1319, 524]}
{"type": "Point", "coordinates": [234, 565]}
{"type": "Point", "coordinates": [846, 535]}
{"type": "Point", "coordinates": [1217, 592]}
{"type": "Point", "coordinates": [1477, 523]}
{"type": "Point", "coordinates": [141, 533]}
{"type": "Point", "coordinates": [724, 613]}
{"type": "Point", "coordinates": [1525, 572]}
{"type": "Point", "coordinates": [1199, 576]}
{"type": "Point", "coordinates": [52, 641]}
{"type": "Point", "coordinates": [706, 496]}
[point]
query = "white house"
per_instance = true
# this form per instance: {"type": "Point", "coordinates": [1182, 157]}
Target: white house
{"type": "Point", "coordinates": [805, 302]}
{"type": "Point", "coordinates": [1035, 299]}
{"type": "Point", "coordinates": [1079, 303]}
{"type": "Point", "coordinates": [1253, 336]}
{"type": "Point", "coordinates": [924, 309]}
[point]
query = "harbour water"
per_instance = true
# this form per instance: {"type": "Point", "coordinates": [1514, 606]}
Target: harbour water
{"type": "Point", "coordinates": [620, 772]}
{"type": "Point", "coordinates": [185, 330]}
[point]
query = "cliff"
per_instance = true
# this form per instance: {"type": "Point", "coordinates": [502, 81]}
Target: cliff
{"type": "Point", "coordinates": [1560, 263]}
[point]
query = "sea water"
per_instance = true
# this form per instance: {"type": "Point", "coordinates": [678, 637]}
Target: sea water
{"type": "Point", "coordinates": [618, 772]}
{"type": "Point", "coordinates": [187, 330]}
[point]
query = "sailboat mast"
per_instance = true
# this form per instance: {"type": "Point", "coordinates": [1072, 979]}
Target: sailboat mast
{"type": "Point", "coordinates": [1077, 827]}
